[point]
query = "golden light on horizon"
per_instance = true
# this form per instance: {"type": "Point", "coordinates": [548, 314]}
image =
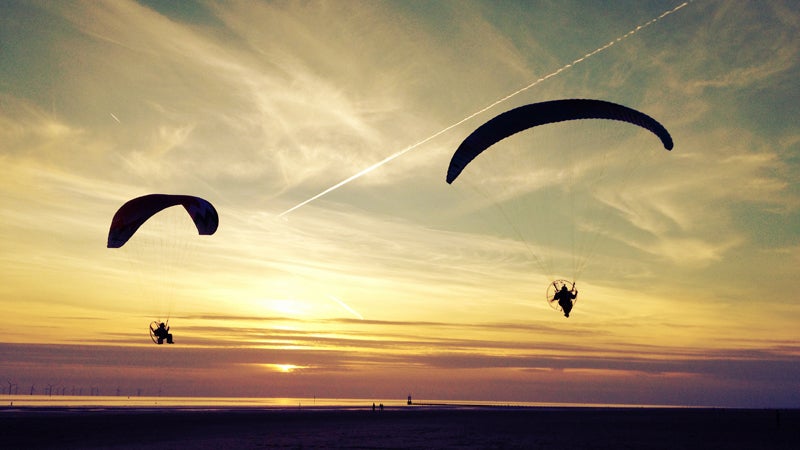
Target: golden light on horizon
{"type": "Point", "coordinates": [284, 368]}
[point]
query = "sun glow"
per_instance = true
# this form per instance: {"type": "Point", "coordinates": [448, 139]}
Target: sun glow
{"type": "Point", "coordinates": [284, 368]}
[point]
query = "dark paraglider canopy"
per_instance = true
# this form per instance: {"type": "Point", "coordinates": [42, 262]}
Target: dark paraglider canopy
{"type": "Point", "coordinates": [524, 117]}
{"type": "Point", "coordinates": [136, 212]}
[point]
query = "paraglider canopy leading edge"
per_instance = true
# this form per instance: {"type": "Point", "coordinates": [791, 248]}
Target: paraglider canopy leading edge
{"type": "Point", "coordinates": [528, 116]}
{"type": "Point", "coordinates": [136, 212]}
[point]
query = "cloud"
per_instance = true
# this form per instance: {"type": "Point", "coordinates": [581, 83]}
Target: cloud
{"type": "Point", "coordinates": [755, 52]}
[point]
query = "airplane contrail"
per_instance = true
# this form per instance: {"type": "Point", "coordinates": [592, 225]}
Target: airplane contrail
{"type": "Point", "coordinates": [482, 110]}
{"type": "Point", "coordinates": [345, 306]}
{"type": "Point", "coordinates": [115, 117]}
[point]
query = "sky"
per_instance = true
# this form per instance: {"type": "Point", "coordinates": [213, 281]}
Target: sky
{"type": "Point", "coordinates": [394, 282]}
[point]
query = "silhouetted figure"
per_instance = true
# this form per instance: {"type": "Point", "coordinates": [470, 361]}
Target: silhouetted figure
{"type": "Point", "coordinates": [565, 297]}
{"type": "Point", "coordinates": [162, 332]}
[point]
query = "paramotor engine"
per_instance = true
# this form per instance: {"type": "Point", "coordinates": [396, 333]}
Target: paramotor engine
{"type": "Point", "coordinates": [153, 327]}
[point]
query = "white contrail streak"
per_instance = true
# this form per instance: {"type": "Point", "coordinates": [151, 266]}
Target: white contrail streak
{"type": "Point", "coordinates": [115, 117]}
{"type": "Point", "coordinates": [345, 306]}
{"type": "Point", "coordinates": [483, 110]}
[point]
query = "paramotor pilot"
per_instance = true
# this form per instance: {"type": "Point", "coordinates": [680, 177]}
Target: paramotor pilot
{"type": "Point", "coordinates": [565, 298]}
{"type": "Point", "coordinates": [162, 333]}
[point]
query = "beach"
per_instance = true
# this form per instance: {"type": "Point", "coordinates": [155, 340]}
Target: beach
{"type": "Point", "coordinates": [408, 427]}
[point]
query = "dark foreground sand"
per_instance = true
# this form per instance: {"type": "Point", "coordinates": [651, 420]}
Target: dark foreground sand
{"type": "Point", "coordinates": [406, 427]}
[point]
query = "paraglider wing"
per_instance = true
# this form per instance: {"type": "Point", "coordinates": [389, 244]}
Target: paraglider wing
{"type": "Point", "coordinates": [524, 117]}
{"type": "Point", "coordinates": [135, 212]}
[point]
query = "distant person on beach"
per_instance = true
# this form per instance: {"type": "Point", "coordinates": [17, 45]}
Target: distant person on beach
{"type": "Point", "coordinates": [565, 297]}
{"type": "Point", "coordinates": [162, 332]}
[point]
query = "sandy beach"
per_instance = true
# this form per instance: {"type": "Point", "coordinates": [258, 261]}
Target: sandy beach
{"type": "Point", "coordinates": [406, 427]}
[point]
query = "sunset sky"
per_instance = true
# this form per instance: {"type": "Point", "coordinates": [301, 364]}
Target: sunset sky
{"type": "Point", "coordinates": [395, 282]}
